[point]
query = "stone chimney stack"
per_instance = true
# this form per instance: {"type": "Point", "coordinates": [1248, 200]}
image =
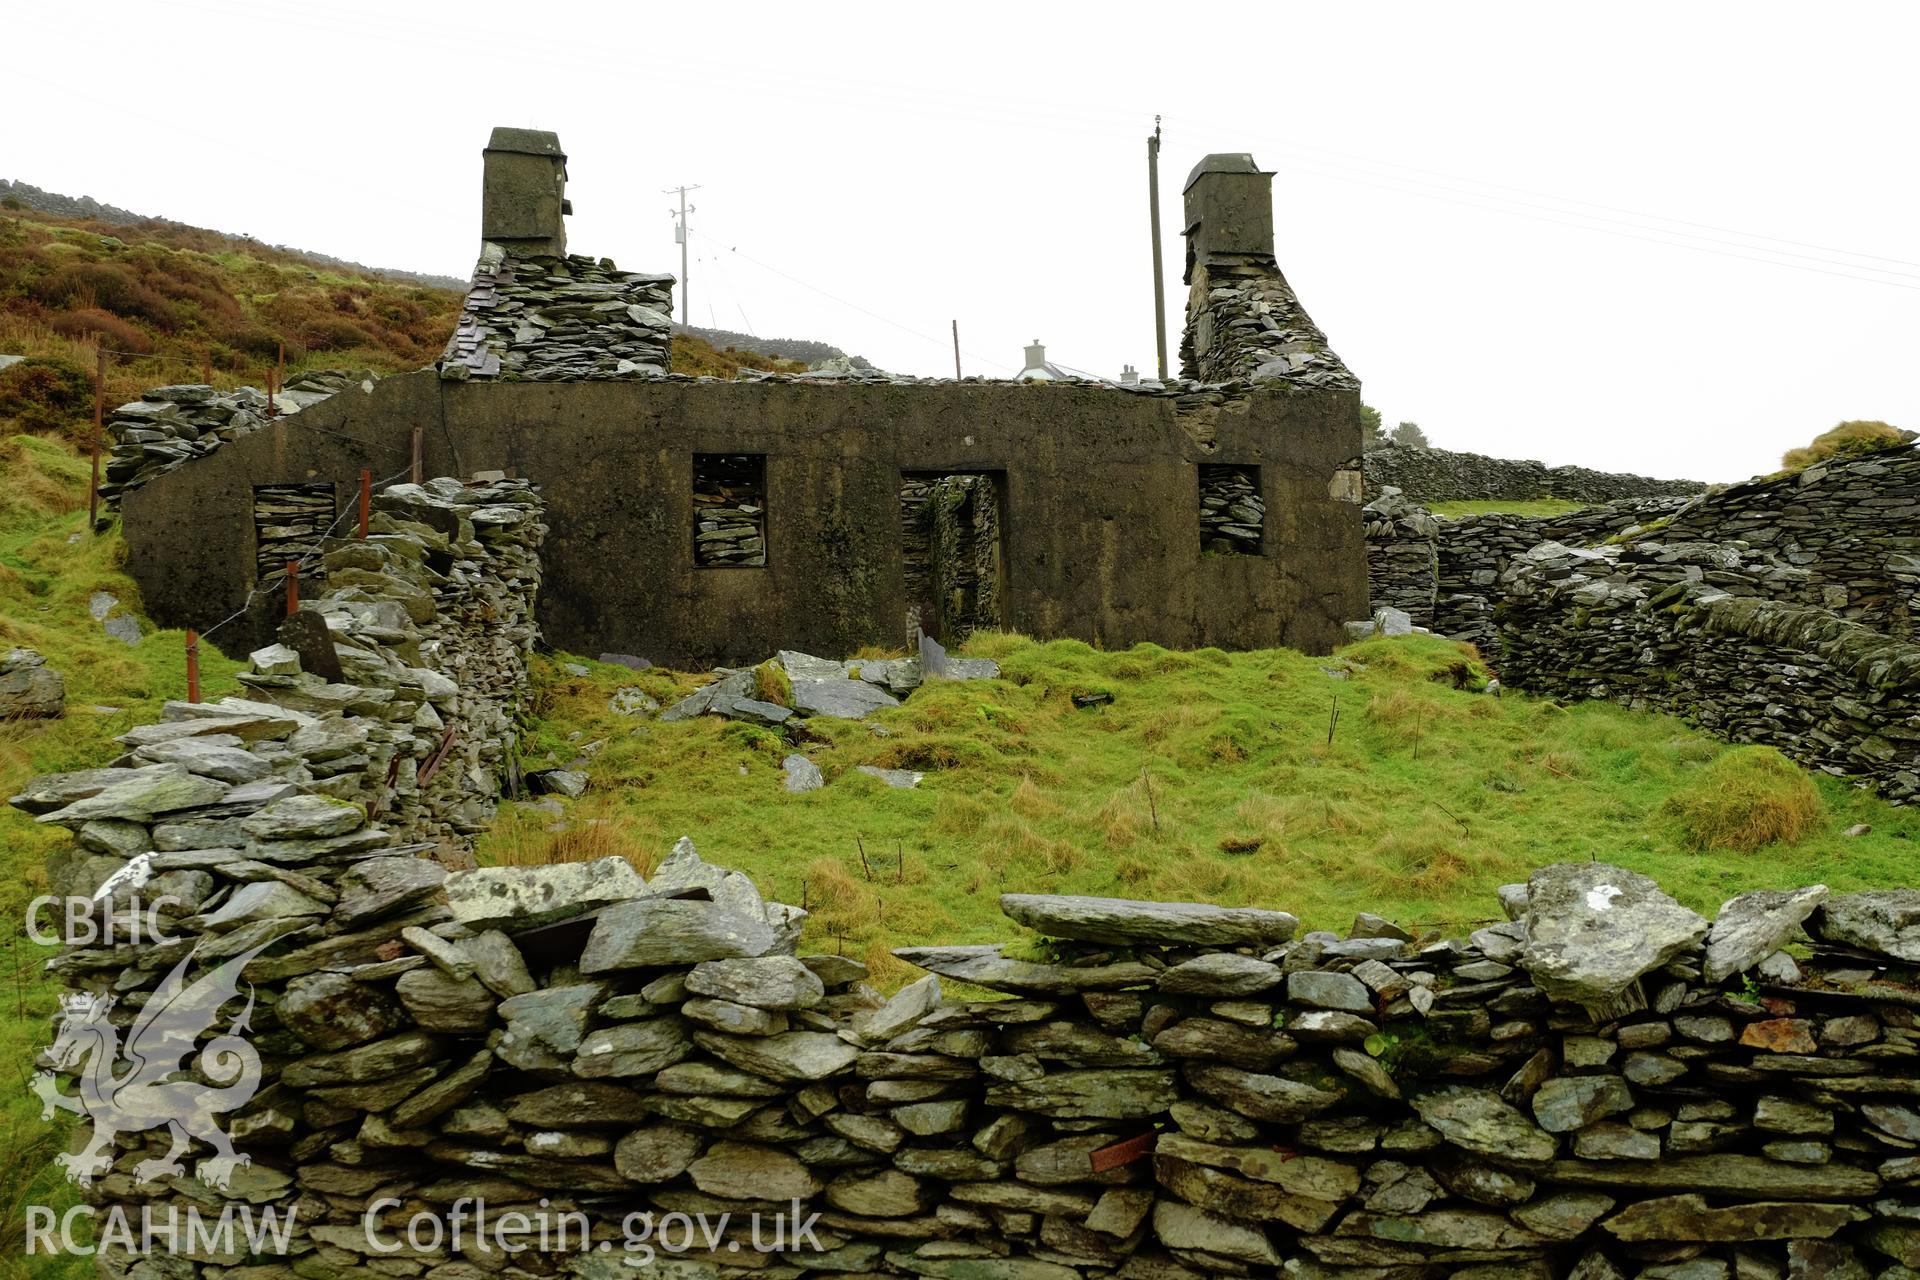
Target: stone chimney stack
{"type": "Point", "coordinates": [1229, 213]}
{"type": "Point", "coordinates": [1244, 323]}
{"type": "Point", "coordinates": [523, 196]}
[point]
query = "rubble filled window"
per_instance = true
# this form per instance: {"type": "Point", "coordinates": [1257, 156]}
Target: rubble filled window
{"type": "Point", "coordinates": [289, 520]}
{"type": "Point", "coordinates": [729, 510]}
{"type": "Point", "coordinates": [1233, 516]}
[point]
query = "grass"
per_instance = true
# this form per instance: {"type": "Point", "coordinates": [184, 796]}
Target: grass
{"type": "Point", "coordinates": [1508, 506]}
{"type": "Point", "coordinates": [1211, 776]}
{"type": "Point", "coordinates": [49, 569]}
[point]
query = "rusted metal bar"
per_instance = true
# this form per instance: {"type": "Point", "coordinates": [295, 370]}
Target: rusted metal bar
{"type": "Point", "coordinates": [1123, 1152]}
{"type": "Point", "coordinates": [438, 758]}
{"type": "Point", "coordinates": [293, 587]}
{"type": "Point", "coordinates": [193, 665]}
{"type": "Point", "coordinates": [366, 502]}
{"type": "Point", "coordinates": [419, 441]}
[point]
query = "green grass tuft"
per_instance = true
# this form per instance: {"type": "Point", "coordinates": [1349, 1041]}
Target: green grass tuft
{"type": "Point", "coordinates": [1747, 799]}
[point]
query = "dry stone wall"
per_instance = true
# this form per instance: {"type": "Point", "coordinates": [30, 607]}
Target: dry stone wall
{"type": "Point", "coordinates": [1445, 475]}
{"type": "Point", "coordinates": [1445, 571]}
{"type": "Point", "coordinates": [1707, 631]}
{"type": "Point", "coordinates": [1604, 1085]}
{"type": "Point", "coordinates": [172, 425]}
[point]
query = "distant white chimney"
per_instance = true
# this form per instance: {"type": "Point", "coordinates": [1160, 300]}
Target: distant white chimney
{"type": "Point", "coordinates": [1129, 375]}
{"type": "Point", "coordinates": [1037, 369]}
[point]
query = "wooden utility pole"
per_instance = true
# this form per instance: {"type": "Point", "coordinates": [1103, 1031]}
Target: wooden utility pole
{"type": "Point", "coordinates": [680, 235]}
{"type": "Point", "coordinates": [956, 350]}
{"type": "Point", "coordinates": [99, 428]}
{"type": "Point", "coordinates": [419, 440]}
{"type": "Point", "coordinates": [1159, 282]}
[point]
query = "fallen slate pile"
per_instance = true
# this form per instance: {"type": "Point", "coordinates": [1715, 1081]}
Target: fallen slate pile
{"type": "Point", "coordinates": [1232, 512]}
{"type": "Point", "coordinates": [850, 690]}
{"type": "Point", "coordinates": [1607, 1085]}
{"type": "Point", "coordinates": [1699, 630]}
{"type": "Point", "coordinates": [552, 319]}
{"type": "Point", "coordinates": [29, 688]}
{"type": "Point", "coordinates": [171, 425]}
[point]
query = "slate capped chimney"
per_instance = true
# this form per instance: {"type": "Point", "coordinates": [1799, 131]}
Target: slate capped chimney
{"type": "Point", "coordinates": [1229, 210]}
{"type": "Point", "coordinates": [523, 196]}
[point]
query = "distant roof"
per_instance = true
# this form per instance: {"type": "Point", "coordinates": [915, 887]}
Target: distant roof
{"type": "Point", "coordinates": [533, 142]}
{"type": "Point", "coordinates": [1224, 162]}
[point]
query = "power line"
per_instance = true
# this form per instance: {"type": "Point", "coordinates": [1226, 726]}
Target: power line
{"type": "Point", "coordinates": [944, 343]}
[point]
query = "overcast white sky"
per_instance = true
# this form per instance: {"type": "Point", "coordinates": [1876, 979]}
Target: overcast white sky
{"type": "Point", "coordinates": [1665, 238]}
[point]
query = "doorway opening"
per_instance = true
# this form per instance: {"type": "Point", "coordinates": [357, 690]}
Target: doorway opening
{"type": "Point", "coordinates": [953, 530]}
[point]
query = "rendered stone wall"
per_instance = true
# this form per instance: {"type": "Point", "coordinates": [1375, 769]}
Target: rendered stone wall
{"type": "Point", "coordinates": [1100, 529]}
{"type": "Point", "coordinates": [1446, 475]}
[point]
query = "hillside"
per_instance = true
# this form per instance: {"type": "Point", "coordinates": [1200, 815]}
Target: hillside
{"type": "Point", "coordinates": [173, 303]}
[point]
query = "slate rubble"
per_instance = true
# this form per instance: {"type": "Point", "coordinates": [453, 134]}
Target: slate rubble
{"type": "Point", "coordinates": [172, 425]}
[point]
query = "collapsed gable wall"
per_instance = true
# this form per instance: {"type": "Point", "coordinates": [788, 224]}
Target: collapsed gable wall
{"type": "Point", "coordinates": [1101, 507]}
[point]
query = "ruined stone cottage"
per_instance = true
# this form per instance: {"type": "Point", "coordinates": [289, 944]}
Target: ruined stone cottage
{"type": "Point", "coordinates": [696, 520]}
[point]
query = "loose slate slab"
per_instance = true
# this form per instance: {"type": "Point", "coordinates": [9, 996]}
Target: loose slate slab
{"type": "Point", "coordinates": [138, 795]}
{"type": "Point", "coordinates": [768, 982]}
{"type": "Point", "coordinates": [1077, 1095]}
{"type": "Point", "coordinates": [842, 699]}
{"type": "Point", "coordinates": [1754, 925]}
{"type": "Point", "coordinates": [1127, 922]}
{"type": "Point", "coordinates": [1882, 920]}
{"type": "Point", "coordinates": [1477, 1120]}
{"type": "Point", "coordinates": [1687, 1217]}
{"type": "Point", "coordinates": [1593, 929]}
{"type": "Point", "coordinates": [520, 898]}
{"type": "Point", "coordinates": [1727, 1175]}
{"type": "Point", "coordinates": [984, 966]}
{"type": "Point", "coordinates": [793, 1055]}
{"type": "Point", "coordinates": [382, 886]}
{"type": "Point", "coordinates": [656, 931]}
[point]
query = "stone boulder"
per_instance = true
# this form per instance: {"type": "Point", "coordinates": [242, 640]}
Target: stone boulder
{"type": "Point", "coordinates": [29, 688]}
{"type": "Point", "coordinates": [1886, 921]}
{"type": "Point", "coordinates": [517, 898]}
{"type": "Point", "coordinates": [1593, 929]}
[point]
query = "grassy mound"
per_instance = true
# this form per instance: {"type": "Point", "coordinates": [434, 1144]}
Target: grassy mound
{"type": "Point", "coordinates": [1748, 798]}
{"type": "Point", "coordinates": [1847, 440]}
